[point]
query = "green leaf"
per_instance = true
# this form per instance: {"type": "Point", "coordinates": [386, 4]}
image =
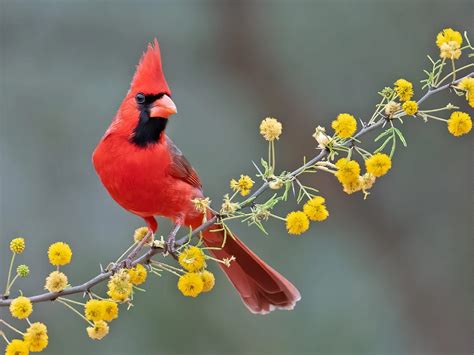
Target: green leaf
{"type": "Point", "coordinates": [400, 135]}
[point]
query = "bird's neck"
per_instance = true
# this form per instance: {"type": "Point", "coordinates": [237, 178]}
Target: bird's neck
{"type": "Point", "coordinates": [148, 130]}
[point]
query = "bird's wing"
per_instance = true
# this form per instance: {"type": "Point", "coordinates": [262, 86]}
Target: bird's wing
{"type": "Point", "coordinates": [180, 168]}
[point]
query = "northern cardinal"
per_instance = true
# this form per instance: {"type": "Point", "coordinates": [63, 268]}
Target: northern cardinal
{"type": "Point", "coordinates": [145, 173]}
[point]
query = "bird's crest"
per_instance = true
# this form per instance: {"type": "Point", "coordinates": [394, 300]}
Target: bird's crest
{"type": "Point", "coordinates": [149, 77]}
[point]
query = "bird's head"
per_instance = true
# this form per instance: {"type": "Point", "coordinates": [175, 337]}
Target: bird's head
{"type": "Point", "coordinates": [148, 103]}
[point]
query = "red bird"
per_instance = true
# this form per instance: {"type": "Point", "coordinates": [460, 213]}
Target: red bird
{"type": "Point", "coordinates": [147, 174]}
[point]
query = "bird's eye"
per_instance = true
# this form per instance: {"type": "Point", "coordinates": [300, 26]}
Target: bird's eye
{"type": "Point", "coordinates": [140, 98]}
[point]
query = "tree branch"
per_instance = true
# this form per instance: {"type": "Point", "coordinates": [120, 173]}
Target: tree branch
{"type": "Point", "coordinates": [152, 251]}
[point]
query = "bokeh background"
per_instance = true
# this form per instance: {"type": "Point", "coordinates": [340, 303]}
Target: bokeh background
{"type": "Point", "coordinates": [390, 275]}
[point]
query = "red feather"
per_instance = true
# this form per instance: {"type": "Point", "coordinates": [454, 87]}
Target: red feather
{"type": "Point", "coordinates": [154, 178]}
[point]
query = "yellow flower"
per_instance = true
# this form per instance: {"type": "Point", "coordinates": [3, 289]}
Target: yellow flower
{"type": "Point", "coordinates": [467, 84]}
{"type": "Point", "coordinates": [17, 347]}
{"type": "Point", "coordinates": [139, 234]}
{"type": "Point", "coordinates": [367, 181]}
{"type": "Point", "coordinates": [98, 331]}
{"type": "Point", "coordinates": [404, 89]}
{"type": "Point", "coordinates": [459, 123]}
{"type": "Point", "coordinates": [21, 307]}
{"type": "Point", "coordinates": [243, 185]}
{"type": "Point", "coordinates": [449, 43]}
{"type": "Point", "coordinates": [59, 254]}
{"type": "Point", "coordinates": [378, 164]}
{"type": "Point", "coordinates": [190, 284]}
{"type": "Point", "coordinates": [201, 204]}
{"type": "Point", "coordinates": [94, 310]}
{"type": "Point", "coordinates": [119, 286]}
{"type": "Point", "coordinates": [17, 245]}
{"type": "Point", "coordinates": [110, 310]}
{"type": "Point", "coordinates": [352, 186]}
{"type": "Point", "coordinates": [315, 209]}
{"type": "Point", "coordinates": [23, 270]}
{"type": "Point", "coordinates": [410, 107]}
{"type": "Point", "coordinates": [344, 125]}
{"type": "Point", "coordinates": [192, 259]}
{"type": "Point", "coordinates": [56, 281]}
{"type": "Point", "coordinates": [347, 170]}
{"type": "Point", "coordinates": [270, 129]}
{"type": "Point", "coordinates": [447, 35]}
{"type": "Point", "coordinates": [37, 337]}
{"type": "Point", "coordinates": [137, 274]}
{"type": "Point", "coordinates": [297, 222]}
{"type": "Point", "coordinates": [208, 280]}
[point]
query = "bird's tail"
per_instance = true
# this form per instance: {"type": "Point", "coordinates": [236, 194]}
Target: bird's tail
{"type": "Point", "coordinates": [261, 288]}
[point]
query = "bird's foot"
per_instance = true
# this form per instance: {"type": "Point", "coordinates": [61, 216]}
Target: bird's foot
{"type": "Point", "coordinates": [170, 247]}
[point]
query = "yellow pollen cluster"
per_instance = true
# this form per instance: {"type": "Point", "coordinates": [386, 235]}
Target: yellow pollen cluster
{"type": "Point", "coordinates": [37, 337]}
{"type": "Point", "coordinates": [345, 125]}
{"type": "Point", "coordinates": [208, 280]}
{"type": "Point", "coordinates": [243, 185]}
{"type": "Point", "coordinates": [467, 85]}
{"type": "Point", "coordinates": [139, 234]}
{"type": "Point", "coordinates": [316, 209]}
{"type": "Point", "coordinates": [201, 204]}
{"type": "Point", "coordinates": [138, 274]}
{"type": "Point", "coordinates": [449, 42]}
{"type": "Point", "coordinates": [297, 222]}
{"type": "Point", "coordinates": [119, 286]}
{"type": "Point", "coordinates": [21, 307]}
{"type": "Point", "coordinates": [59, 254]}
{"type": "Point", "coordinates": [404, 89]}
{"type": "Point", "coordinates": [17, 347]}
{"type": "Point", "coordinates": [98, 331]}
{"type": "Point", "coordinates": [191, 284]}
{"type": "Point", "coordinates": [410, 107]}
{"type": "Point", "coordinates": [459, 123]}
{"type": "Point", "coordinates": [17, 245]}
{"type": "Point", "coordinates": [378, 164]}
{"type": "Point", "coordinates": [270, 129]}
{"type": "Point", "coordinates": [101, 310]}
{"type": "Point", "coordinates": [192, 259]}
{"type": "Point", "coordinates": [56, 281]}
{"type": "Point", "coordinates": [347, 170]}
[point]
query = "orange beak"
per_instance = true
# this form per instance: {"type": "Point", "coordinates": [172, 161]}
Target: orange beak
{"type": "Point", "coordinates": [163, 107]}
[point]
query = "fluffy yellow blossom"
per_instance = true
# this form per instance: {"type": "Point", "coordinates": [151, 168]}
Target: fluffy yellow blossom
{"type": "Point", "coordinates": [190, 284]}
{"type": "Point", "coordinates": [391, 108]}
{"type": "Point", "coordinates": [367, 181]}
{"type": "Point", "coordinates": [467, 84]}
{"type": "Point", "coordinates": [21, 307]}
{"type": "Point", "coordinates": [59, 254]}
{"type": "Point", "coordinates": [119, 286]}
{"type": "Point", "coordinates": [410, 107]}
{"type": "Point", "coordinates": [98, 331]}
{"type": "Point", "coordinates": [378, 164]}
{"type": "Point", "coordinates": [17, 245]}
{"type": "Point", "coordinates": [270, 129]}
{"type": "Point", "coordinates": [243, 185]}
{"type": "Point", "coordinates": [56, 281]}
{"type": "Point", "coordinates": [23, 270]}
{"type": "Point", "coordinates": [297, 222]}
{"type": "Point", "coordinates": [459, 123]}
{"type": "Point", "coordinates": [352, 186]}
{"type": "Point", "coordinates": [404, 89]}
{"type": "Point", "coordinates": [139, 234]}
{"type": "Point", "coordinates": [208, 280]}
{"type": "Point", "coordinates": [17, 347]}
{"type": "Point", "coordinates": [110, 310]}
{"type": "Point", "coordinates": [94, 310]}
{"type": "Point", "coordinates": [201, 204]}
{"type": "Point", "coordinates": [449, 43]}
{"type": "Point", "coordinates": [138, 274]}
{"type": "Point", "coordinates": [347, 170]}
{"type": "Point", "coordinates": [316, 209]}
{"type": "Point", "coordinates": [192, 259]}
{"type": "Point", "coordinates": [37, 337]}
{"type": "Point", "coordinates": [345, 125]}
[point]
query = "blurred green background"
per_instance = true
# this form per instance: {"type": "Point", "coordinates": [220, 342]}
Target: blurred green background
{"type": "Point", "coordinates": [389, 275]}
